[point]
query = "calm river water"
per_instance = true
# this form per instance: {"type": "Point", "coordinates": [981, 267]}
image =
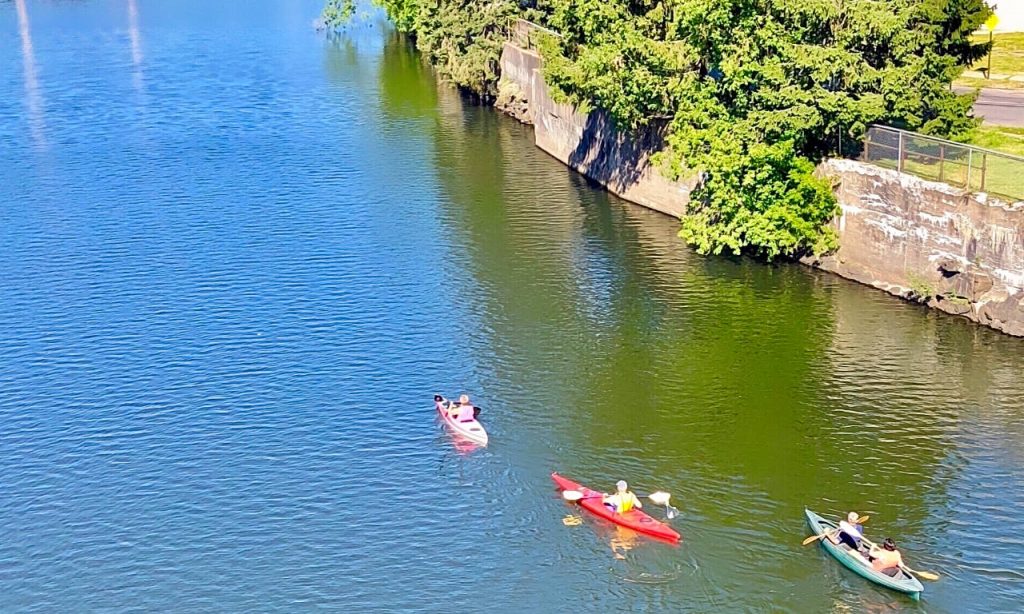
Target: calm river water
{"type": "Point", "coordinates": [239, 257]}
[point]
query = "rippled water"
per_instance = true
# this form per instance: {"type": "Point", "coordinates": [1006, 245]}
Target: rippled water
{"type": "Point", "coordinates": [238, 258]}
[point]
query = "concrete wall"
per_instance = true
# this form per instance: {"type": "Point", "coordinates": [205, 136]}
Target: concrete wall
{"type": "Point", "coordinates": [588, 142]}
{"type": "Point", "coordinates": [922, 240]}
{"type": "Point", "coordinates": [929, 242]}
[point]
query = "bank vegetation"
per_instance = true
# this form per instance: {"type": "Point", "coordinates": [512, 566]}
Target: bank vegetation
{"type": "Point", "coordinates": [754, 92]}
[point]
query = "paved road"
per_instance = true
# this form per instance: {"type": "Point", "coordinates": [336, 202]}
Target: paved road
{"type": "Point", "coordinates": [1000, 107]}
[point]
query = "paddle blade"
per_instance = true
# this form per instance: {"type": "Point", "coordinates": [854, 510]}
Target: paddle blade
{"type": "Point", "coordinates": [812, 539]}
{"type": "Point", "coordinates": [659, 497]}
{"type": "Point", "coordinates": [572, 495]}
{"type": "Point", "coordinates": [927, 575]}
{"type": "Point", "coordinates": [862, 519]}
{"type": "Point", "coordinates": [671, 512]}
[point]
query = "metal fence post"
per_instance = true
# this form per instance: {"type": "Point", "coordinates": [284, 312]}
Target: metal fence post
{"type": "Point", "coordinates": [1007, 169]}
{"type": "Point", "coordinates": [984, 167]}
{"type": "Point", "coordinates": [970, 164]}
{"type": "Point", "coordinates": [899, 164]}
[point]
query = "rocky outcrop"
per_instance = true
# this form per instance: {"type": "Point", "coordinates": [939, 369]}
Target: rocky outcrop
{"type": "Point", "coordinates": [924, 241]}
{"type": "Point", "coordinates": [510, 100]}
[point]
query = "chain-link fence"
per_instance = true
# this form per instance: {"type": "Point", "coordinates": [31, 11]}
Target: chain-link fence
{"type": "Point", "coordinates": [964, 166]}
{"type": "Point", "coordinates": [524, 34]}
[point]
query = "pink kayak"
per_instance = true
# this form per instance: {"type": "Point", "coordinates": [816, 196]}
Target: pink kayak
{"type": "Point", "coordinates": [470, 429]}
{"type": "Point", "coordinates": [634, 519]}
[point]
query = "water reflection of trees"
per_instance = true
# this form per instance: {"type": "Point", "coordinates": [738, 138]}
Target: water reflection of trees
{"type": "Point", "coordinates": [722, 360]}
{"type": "Point", "coordinates": [407, 90]}
{"type": "Point", "coordinates": [748, 390]}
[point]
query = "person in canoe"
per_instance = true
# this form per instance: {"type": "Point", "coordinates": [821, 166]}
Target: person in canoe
{"type": "Point", "coordinates": [623, 500]}
{"type": "Point", "coordinates": [886, 559]}
{"type": "Point", "coordinates": [850, 533]}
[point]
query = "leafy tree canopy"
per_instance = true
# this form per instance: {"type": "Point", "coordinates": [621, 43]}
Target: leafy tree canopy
{"type": "Point", "coordinates": [754, 91]}
{"type": "Point", "coordinates": [336, 13]}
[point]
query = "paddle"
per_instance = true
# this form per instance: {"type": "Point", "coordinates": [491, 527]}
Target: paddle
{"type": "Point", "coordinates": [927, 575]}
{"type": "Point", "coordinates": [814, 538]}
{"type": "Point", "coordinates": [662, 498]}
{"type": "Point", "coordinates": [448, 405]}
{"type": "Point", "coordinates": [657, 497]}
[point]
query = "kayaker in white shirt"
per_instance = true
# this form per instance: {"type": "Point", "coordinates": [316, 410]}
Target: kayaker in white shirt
{"type": "Point", "coordinates": [850, 533]}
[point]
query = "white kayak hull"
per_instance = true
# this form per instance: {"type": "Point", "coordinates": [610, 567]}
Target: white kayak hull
{"type": "Point", "coordinates": [470, 429]}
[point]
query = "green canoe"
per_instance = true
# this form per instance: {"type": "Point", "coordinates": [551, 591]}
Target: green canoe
{"type": "Point", "coordinates": [903, 582]}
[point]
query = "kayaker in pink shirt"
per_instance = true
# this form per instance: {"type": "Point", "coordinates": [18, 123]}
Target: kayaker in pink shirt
{"type": "Point", "coordinates": [463, 411]}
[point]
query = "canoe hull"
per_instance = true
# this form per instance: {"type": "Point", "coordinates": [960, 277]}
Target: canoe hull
{"type": "Point", "coordinates": [634, 519]}
{"type": "Point", "coordinates": [471, 429]}
{"type": "Point", "coordinates": [904, 582]}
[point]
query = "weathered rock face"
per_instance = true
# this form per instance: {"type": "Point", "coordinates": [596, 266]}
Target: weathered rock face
{"type": "Point", "coordinates": [930, 242]}
{"type": "Point", "coordinates": [589, 143]}
{"type": "Point", "coordinates": [924, 241]}
{"type": "Point", "coordinates": [512, 101]}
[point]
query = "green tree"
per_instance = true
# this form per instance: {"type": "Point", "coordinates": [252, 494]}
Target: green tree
{"type": "Point", "coordinates": [336, 13]}
{"type": "Point", "coordinates": [760, 90]}
{"type": "Point", "coordinates": [755, 91]}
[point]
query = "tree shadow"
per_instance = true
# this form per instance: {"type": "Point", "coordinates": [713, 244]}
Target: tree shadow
{"type": "Point", "coordinates": [615, 157]}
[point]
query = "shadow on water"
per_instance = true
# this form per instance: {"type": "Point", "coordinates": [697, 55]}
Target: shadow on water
{"type": "Point", "coordinates": [407, 89]}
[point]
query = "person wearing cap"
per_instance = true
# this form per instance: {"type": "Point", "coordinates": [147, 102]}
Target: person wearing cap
{"type": "Point", "coordinates": [463, 410]}
{"type": "Point", "coordinates": [623, 500]}
{"type": "Point", "coordinates": [886, 559]}
{"type": "Point", "coordinates": [850, 533]}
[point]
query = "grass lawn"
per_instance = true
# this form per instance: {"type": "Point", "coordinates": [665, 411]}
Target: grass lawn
{"type": "Point", "coordinates": [999, 176]}
{"type": "Point", "coordinates": [1006, 140]}
{"type": "Point", "coordinates": [996, 84]}
{"type": "Point", "coordinates": [1007, 59]}
{"type": "Point", "coordinates": [1003, 176]}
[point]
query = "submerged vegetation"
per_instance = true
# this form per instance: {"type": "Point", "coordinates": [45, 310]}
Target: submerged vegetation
{"type": "Point", "coordinates": [754, 92]}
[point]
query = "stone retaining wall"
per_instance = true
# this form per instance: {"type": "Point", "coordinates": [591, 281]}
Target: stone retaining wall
{"type": "Point", "coordinates": [588, 142]}
{"type": "Point", "coordinates": [929, 242]}
{"type": "Point", "coordinates": [921, 240]}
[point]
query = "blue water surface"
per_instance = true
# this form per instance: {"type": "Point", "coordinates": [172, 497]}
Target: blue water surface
{"type": "Point", "coordinates": [237, 258]}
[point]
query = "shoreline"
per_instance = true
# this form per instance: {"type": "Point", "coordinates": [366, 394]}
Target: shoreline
{"type": "Point", "coordinates": [926, 242]}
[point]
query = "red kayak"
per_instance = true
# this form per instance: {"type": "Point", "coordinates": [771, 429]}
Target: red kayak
{"type": "Point", "coordinates": [633, 519]}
